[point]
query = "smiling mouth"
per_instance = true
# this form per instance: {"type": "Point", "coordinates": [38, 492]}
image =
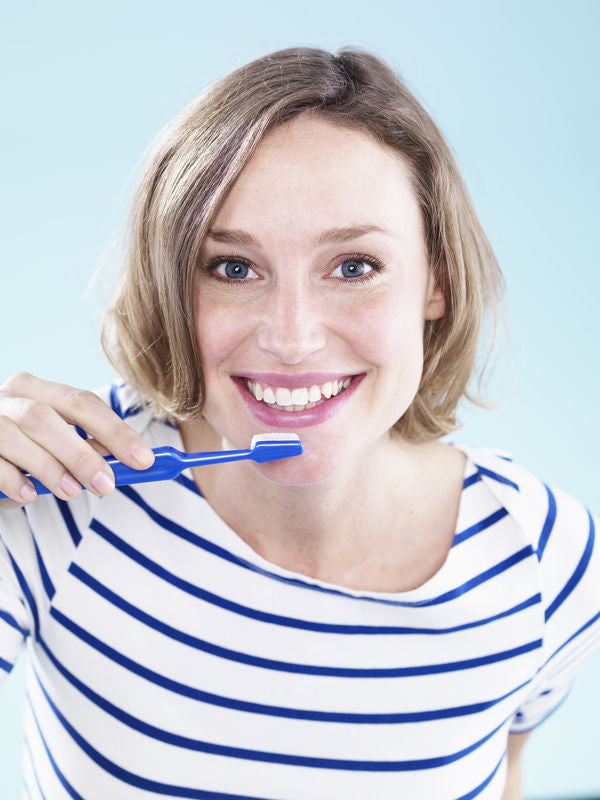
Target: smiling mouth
{"type": "Point", "coordinates": [294, 400]}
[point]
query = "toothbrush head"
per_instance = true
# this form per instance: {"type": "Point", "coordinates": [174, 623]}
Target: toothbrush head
{"type": "Point", "coordinates": [271, 446]}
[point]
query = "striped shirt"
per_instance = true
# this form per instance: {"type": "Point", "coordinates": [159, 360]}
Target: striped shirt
{"type": "Point", "coordinates": [168, 659]}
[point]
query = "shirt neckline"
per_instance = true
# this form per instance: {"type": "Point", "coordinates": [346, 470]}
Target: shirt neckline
{"type": "Point", "coordinates": [437, 583]}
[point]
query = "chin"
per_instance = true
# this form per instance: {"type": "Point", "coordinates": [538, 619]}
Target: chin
{"type": "Point", "coordinates": [301, 470]}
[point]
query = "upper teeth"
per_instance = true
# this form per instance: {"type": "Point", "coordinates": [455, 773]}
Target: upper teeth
{"type": "Point", "coordinates": [296, 397]}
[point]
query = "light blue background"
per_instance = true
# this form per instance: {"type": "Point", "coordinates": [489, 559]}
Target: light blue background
{"type": "Point", "coordinates": [514, 87]}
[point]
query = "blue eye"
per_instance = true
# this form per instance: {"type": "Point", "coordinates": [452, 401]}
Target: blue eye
{"type": "Point", "coordinates": [234, 269]}
{"type": "Point", "coordinates": [352, 268]}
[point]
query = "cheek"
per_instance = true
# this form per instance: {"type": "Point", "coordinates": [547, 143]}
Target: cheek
{"type": "Point", "coordinates": [389, 334]}
{"type": "Point", "coordinates": [219, 332]}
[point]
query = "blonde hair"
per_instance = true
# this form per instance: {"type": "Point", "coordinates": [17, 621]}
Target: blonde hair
{"type": "Point", "coordinates": [148, 333]}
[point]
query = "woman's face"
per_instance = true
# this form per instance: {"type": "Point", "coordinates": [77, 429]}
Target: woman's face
{"type": "Point", "coordinates": [300, 300]}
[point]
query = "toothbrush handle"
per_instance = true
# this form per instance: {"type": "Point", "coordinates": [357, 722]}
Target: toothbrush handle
{"type": "Point", "coordinates": [168, 463]}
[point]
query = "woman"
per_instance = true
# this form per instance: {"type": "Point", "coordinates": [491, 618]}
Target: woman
{"type": "Point", "coordinates": [387, 613]}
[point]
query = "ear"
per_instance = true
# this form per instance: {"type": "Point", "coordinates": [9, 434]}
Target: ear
{"type": "Point", "coordinates": [436, 304]}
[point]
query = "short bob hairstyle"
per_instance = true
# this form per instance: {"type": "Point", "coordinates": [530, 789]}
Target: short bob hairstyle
{"type": "Point", "coordinates": [148, 332]}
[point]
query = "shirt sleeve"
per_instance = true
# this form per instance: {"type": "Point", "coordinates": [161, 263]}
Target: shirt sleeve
{"type": "Point", "coordinates": [15, 620]}
{"type": "Point", "coordinates": [568, 553]}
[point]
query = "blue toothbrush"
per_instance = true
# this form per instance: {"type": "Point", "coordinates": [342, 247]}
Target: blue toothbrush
{"type": "Point", "coordinates": [170, 462]}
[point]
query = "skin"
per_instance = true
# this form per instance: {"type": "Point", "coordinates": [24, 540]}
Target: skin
{"type": "Point", "coordinates": [354, 487]}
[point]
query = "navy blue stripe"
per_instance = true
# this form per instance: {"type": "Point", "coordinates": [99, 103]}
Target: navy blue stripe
{"type": "Point", "coordinates": [27, 592]}
{"type": "Point", "coordinates": [577, 633]}
{"type": "Point", "coordinates": [5, 665]}
{"type": "Point", "coordinates": [509, 562]}
{"type": "Point", "coordinates": [277, 711]}
{"type": "Point", "coordinates": [277, 619]}
{"type": "Point", "coordinates": [471, 480]}
{"type": "Point", "coordinates": [189, 484]}
{"type": "Point", "coordinates": [268, 757]}
{"type": "Point", "coordinates": [67, 786]}
{"type": "Point", "coordinates": [497, 477]}
{"type": "Point", "coordinates": [548, 523]}
{"type": "Point", "coordinates": [114, 400]}
{"type": "Point", "coordinates": [10, 620]}
{"type": "Point", "coordinates": [478, 789]}
{"type": "Point", "coordinates": [577, 574]}
{"type": "Point", "coordinates": [116, 405]}
{"type": "Point", "coordinates": [46, 580]}
{"type": "Point", "coordinates": [81, 432]}
{"type": "Point", "coordinates": [69, 520]}
{"type": "Point", "coordinates": [133, 410]}
{"type": "Point", "coordinates": [221, 552]}
{"type": "Point", "coordinates": [244, 658]}
{"type": "Point", "coordinates": [480, 526]}
{"type": "Point", "coordinates": [33, 769]}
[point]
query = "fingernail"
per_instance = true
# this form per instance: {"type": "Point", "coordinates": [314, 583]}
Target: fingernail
{"type": "Point", "coordinates": [28, 492]}
{"type": "Point", "coordinates": [69, 485]}
{"type": "Point", "coordinates": [141, 454]}
{"type": "Point", "coordinates": [102, 483]}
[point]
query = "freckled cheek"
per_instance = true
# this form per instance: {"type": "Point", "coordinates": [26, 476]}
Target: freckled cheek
{"type": "Point", "coordinates": [220, 332]}
{"type": "Point", "coordinates": [387, 335]}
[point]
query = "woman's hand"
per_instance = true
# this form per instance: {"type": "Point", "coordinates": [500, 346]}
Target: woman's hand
{"type": "Point", "coordinates": [35, 436]}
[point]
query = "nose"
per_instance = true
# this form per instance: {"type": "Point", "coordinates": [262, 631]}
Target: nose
{"type": "Point", "coordinates": [292, 326]}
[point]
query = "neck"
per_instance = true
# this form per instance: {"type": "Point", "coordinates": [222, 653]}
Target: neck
{"type": "Point", "coordinates": [334, 526]}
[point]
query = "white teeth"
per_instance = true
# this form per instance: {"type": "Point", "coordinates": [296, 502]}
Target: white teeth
{"type": "Point", "coordinates": [283, 397]}
{"type": "Point", "coordinates": [314, 394]}
{"type": "Point", "coordinates": [269, 396]}
{"type": "Point", "coordinates": [297, 399]}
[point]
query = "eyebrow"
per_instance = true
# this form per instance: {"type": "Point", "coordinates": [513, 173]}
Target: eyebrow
{"type": "Point", "coordinates": [330, 235]}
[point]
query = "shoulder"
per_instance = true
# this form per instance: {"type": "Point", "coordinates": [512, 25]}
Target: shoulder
{"type": "Point", "coordinates": [549, 517]}
{"type": "Point", "coordinates": [562, 533]}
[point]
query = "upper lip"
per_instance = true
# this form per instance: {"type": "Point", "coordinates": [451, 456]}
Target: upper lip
{"type": "Point", "coordinates": [307, 379]}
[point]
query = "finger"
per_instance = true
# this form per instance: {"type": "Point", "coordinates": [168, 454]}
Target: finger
{"type": "Point", "coordinates": [20, 451]}
{"type": "Point", "coordinates": [88, 411]}
{"type": "Point", "coordinates": [41, 442]}
{"type": "Point", "coordinates": [99, 448]}
{"type": "Point", "coordinates": [12, 483]}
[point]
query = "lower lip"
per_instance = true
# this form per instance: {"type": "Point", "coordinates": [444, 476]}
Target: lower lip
{"type": "Point", "coordinates": [296, 419]}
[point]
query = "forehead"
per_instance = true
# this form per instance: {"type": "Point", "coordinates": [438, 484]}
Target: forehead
{"type": "Point", "coordinates": [315, 174]}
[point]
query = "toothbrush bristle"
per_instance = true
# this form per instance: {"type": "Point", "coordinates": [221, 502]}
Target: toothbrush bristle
{"type": "Point", "coordinates": [273, 437]}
